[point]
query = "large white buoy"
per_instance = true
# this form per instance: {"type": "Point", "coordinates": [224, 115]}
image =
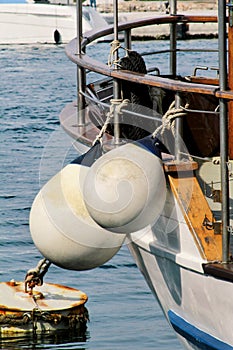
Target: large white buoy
{"type": "Point", "coordinates": [62, 228]}
{"type": "Point", "coordinates": [125, 189]}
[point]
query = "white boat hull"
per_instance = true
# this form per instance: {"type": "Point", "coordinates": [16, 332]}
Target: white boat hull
{"type": "Point", "coordinates": [32, 23]}
{"type": "Point", "coordinates": [198, 306]}
{"type": "Point", "coordinates": [172, 253]}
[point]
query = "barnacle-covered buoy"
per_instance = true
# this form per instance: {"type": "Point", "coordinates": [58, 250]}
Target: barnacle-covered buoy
{"type": "Point", "coordinates": [125, 189]}
{"type": "Point", "coordinates": [63, 230]}
{"type": "Point", "coordinates": [50, 307]}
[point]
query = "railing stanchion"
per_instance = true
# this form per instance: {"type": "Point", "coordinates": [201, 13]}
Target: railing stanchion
{"type": "Point", "coordinates": [179, 128]}
{"type": "Point", "coordinates": [173, 34]}
{"type": "Point", "coordinates": [127, 39]}
{"type": "Point", "coordinates": [222, 42]}
{"type": "Point", "coordinates": [116, 85]}
{"type": "Point", "coordinates": [81, 73]}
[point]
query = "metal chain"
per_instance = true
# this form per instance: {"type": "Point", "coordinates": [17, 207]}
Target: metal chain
{"type": "Point", "coordinates": [34, 277]}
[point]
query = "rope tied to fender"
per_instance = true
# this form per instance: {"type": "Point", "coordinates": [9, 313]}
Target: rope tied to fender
{"type": "Point", "coordinates": [34, 277]}
{"type": "Point", "coordinates": [115, 107]}
{"type": "Point", "coordinates": [169, 118]}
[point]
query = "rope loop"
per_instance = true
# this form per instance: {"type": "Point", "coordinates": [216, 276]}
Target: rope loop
{"type": "Point", "coordinates": [168, 119]}
{"type": "Point", "coordinates": [116, 105]}
{"type": "Point", "coordinates": [115, 46]}
{"type": "Point", "coordinates": [121, 104]}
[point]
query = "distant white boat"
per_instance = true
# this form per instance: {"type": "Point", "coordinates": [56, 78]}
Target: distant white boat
{"type": "Point", "coordinates": [43, 22]}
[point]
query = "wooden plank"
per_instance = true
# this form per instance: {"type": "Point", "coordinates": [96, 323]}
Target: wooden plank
{"type": "Point", "coordinates": [224, 94]}
{"type": "Point", "coordinates": [171, 166]}
{"type": "Point", "coordinates": [195, 208]}
{"type": "Point", "coordinates": [203, 80]}
{"type": "Point", "coordinates": [162, 82]}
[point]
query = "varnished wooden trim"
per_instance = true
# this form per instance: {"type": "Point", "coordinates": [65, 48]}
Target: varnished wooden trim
{"type": "Point", "coordinates": [195, 208]}
{"type": "Point", "coordinates": [228, 95]}
{"type": "Point", "coordinates": [175, 166]}
{"type": "Point", "coordinates": [203, 80]}
{"type": "Point", "coordinates": [166, 83]}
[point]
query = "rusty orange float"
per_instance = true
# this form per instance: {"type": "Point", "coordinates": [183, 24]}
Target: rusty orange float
{"type": "Point", "coordinates": [46, 308]}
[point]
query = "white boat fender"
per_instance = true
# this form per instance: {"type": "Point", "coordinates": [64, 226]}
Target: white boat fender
{"type": "Point", "coordinates": [125, 189]}
{"type": "Point", "coordinates": [61, 227]}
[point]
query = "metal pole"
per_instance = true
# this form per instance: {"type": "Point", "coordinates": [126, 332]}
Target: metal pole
{"type": "Point", "coordinates": [173, 7]}
{"type": "Point", "coordinates": [127, 39]}
{"type": "Point", "coordinates": [179, 129]}
{"type": "Point", "coordinates": [173, 64]}
{"type": "Point", "coordinates": [79, 25]}
{"type": "Point", "coordinates": [230, 78]}
{"type": "Point", "coordinates": [223, 128]}
{"type": "Point", "coordinates": [173, 11]}
{"type": "Point", "coordinates": [116, 85]}
{"type": "Point", "coordinates": [81, 75]}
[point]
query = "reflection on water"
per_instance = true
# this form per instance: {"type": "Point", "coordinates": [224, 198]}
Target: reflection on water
{"type": "Point", "coordinates": [47, 341]}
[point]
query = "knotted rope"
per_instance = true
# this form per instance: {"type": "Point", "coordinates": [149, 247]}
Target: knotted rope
{"type": "Point", "coordinates": [115, 45]}
{"type": "Point", "coordinates": [115, 107]}
{"type": "Point", "coordinates": [169, 118]}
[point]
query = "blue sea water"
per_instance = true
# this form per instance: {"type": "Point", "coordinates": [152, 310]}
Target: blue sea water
{"type": "Point", "coordinates": [36, 84]}
{"type": "Point", "coordinates": [13, 1]}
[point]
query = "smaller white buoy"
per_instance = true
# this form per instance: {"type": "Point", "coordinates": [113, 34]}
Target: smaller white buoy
{"type": "Point", "coordinates": [63, 230]}
{"type": "Point", "coordinates": [125, 189]}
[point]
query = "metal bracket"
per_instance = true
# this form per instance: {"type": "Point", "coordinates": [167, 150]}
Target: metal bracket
{"type": "Point", "coordinates": [205, 68]}
{"type": "Point", "coordinates": [216, 195]}
{"type": "Point", "coordinates": [215, 69]}
{"type": "Point", "coordinates": [230, 230]}
{"type": "Point", "coordinates": [199, 68]}
{"type": "Point", "coordinates": [207, 223]}
{"type": "Point", "coordinates": [213, 225]}
{"type": "Point", "coordinates": [217, 227]}
{"type": "Point", "coordinates": [230, 8]}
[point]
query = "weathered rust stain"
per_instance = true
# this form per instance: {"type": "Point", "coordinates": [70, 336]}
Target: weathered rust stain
{"type": "Point", "coordinates": [4, 310]}
{"type": "Point", "coordinates": [65, 287]}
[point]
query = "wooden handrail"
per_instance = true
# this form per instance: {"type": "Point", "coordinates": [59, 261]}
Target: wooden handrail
{"type": "Point", "coordinates": [165, 83]}
{"type": "Point", "coordinates": [87, 62]}
{"type": "Point", "coordinates": [165, 19]}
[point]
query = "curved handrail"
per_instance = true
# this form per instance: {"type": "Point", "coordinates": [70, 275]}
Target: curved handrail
{"type": "Point", "coordinates": [92, 35]}
{"type": "Point", "coordinates": [94, 65]}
